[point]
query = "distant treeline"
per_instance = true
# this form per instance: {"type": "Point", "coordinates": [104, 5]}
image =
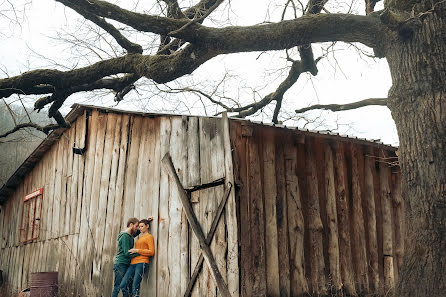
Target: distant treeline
{"type": "Point", "coordinates": [16, 147]}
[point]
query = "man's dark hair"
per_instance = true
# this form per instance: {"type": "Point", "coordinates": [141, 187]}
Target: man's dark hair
{"type": "Point", "coordinates": [132, 221]}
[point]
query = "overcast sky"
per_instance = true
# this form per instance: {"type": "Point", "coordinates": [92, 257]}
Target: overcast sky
{"type": "Point", "coordinates": [344, 76]}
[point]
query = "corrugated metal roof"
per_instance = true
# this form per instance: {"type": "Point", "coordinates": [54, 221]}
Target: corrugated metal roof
{"type": "Point", "coordinates": [78, 109]}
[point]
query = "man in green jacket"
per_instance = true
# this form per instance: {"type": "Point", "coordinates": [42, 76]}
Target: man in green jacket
{"type": "Point", "coordinates": [122, 259]}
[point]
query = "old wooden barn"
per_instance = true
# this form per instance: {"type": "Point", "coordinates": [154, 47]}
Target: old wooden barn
{"type": "Point", "coordinates": [302, 213]}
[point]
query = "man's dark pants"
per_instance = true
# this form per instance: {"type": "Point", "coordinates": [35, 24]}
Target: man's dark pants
{"type": "Point", "coordinates": [119, 270]}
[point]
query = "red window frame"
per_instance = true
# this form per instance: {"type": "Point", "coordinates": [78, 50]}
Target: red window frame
{"type": "Point", "coordinates": [31, 216]}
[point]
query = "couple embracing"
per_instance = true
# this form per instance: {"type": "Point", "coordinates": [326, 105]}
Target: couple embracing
{"type": "Point", "coordinates": [132, 259]}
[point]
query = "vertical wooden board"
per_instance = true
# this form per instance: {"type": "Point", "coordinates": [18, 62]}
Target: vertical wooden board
{"type": "Point", "coordinates": [359, 253]}
{"type": "Point", "coordinates": [219, 244]}
{"type": "Point", "coordinates": [6, 264]}
{"type": "Point", "coordinates": [296, 228]}
{"type": "Point", "coordinates": [257, 220]}
{"type": "Point", "coordinates": [220, 249]}
{"type": "Point", "coordinates": [369, 199]}
{"type": "Point", "coordinates": [84, 230]}
{"type": "Point", "coordinates": [39, 262]}
{"type": "Point", "coordinates": [185, 264]}
{"type": "Point", "coordinates": [61, 261]}
{"type": "Point", "coordinates": [231, 218]}
{"type": "Point", "coordinates": [282, 215]}
{"type": "Point", "coordinates": [76, 158]}
{"type": "Point", "coordinates": [64, 140]}
{"type": "Point", "coordinates": [8, 267]}
{"type": "Point", "coordinates": [68, 263]}
{"type": "Point", "coordinates": [163, 274]}
{"type": "Point", "coordinates": [332, 220]}
{"type": "Point", "coordinates": [106, 268]}
{"type": "Point", "coordinates": [141, 171]}
{"type": "Point", "coordinates": [46, 160]}
{"type": "Point", "coordinates": [6, 213]}
{"type": "Point", "coordinates": [105, 179]}
{"type": "Point", "coordinates": [94, 215]}
{"type": "Point", "coordinates": [17, 214]}
{"type": "Point", "coordinates": [184, 249]}
{"type": "Point", "coordinates": [132, 167]}
{"type": "Point", "coordinates": [192, 175]}
{"type": "Point", "coordinates": [69, 174]}
{"type": "Point", "coordinates": [386, 204]}
{"type": "Point", "coordinates": [2, 221]}
{"type": "Point", "coordinates": [58, 185]}
{"type": "Point", "coordinates": [74, 265]}
{"type": "Point", "coordinates": [148, 172]}
{"type": "Point", "coordinates": [154, 173]}
{"type": "Point", "coordinates": [16, 268]}
{"type": "Point", "coordinates": [19, 266]}
{"type": "Point", "coordinates": [207, 133]}
{"type": "Point", "coordinates": [315, 227]}
{"type": "Point", "coordinates": [192, 178]}
{"type": "Point", "coordinates": [49, 191]}
{"type": "Point", "coordinates": [399, 223]}
{"type": "Point", "coordinates": [195, 246]}
{"type": "Point", "coordinates": [342, 207]}
{"type": "Point", "coordinates": [26, 264]}
{"type": "Point", "coordinates": [51, 188]}
{"type": "Point", "coordinates": [12, 271]}
{"type": "Point", "coordinates": [120, 180]}
{"type": "Point", "coordinates": [319, 155]}
{"type": "Point", "coordinates": [81, 132]}
{"type": "Point", "coordinates": [268, 156]}
{"type": "Point", "coordinates": [119, 189]}
{"type": "Point", "coordinates": [178, 152]}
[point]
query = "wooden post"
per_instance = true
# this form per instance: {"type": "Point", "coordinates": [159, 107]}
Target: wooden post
{"type": "Point", "coordinates": [195, 225]}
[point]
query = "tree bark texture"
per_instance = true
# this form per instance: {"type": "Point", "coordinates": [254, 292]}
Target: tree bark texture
{"type": "Point", "coordinates": [417, 100]}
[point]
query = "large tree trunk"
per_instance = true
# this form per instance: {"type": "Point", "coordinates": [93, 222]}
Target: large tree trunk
{"type": "Point", "coordinates": [418, 104]}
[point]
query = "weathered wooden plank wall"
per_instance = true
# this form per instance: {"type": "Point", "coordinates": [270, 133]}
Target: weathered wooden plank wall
{"type": "Point", "coordinates": [318, 214]}
{"type": "Point", "coordinates": [88, 198]}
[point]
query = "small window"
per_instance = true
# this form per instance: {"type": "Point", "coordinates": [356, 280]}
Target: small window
{"type": "Point", "coordinates": [31, 212]}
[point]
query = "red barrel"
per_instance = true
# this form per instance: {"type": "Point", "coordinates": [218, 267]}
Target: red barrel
{"type": "Point", "coordinates": [43, 284]}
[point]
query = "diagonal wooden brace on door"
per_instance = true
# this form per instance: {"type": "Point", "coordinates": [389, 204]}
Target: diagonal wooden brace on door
{"type": "Point", "coordinates": [209, 237]}
{"type": "Point", "coordinates": [196, 227]}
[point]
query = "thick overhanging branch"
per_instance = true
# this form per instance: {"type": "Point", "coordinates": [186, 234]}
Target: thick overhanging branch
{"type": "Point", "coordinates": [45, 129]}
{"type": "Point", "coordinates": [348, 106]}
{"type": "Point", "coordinates": [274, 36]}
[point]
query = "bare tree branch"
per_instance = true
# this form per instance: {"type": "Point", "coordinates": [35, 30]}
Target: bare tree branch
{"type": "Point", "coordinates": [120, 39]}
{"type": "Point", "coordinates": [45, 129]}
{"type": "Point", "coordinates": [174, 10]}
{"type": "Point", "coordinates": [10, 112]}
{"type": "Point", "coordinates": [199, 19]}
{"type": "Point", "coordinates": [348, 106]}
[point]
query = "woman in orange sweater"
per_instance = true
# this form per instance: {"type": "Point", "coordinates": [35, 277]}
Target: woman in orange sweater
{"type": "Point", "coordinates": [145, 248]}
